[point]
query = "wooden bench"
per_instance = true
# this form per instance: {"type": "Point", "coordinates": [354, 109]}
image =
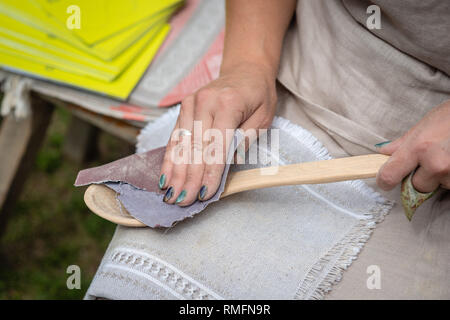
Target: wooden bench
{"type": "Point", "coordinates": [20, 141]}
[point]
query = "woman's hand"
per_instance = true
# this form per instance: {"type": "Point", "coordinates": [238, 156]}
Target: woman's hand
{"type": "Point", "coordinates": [427, 146]}
{"type": "Point", "coordinates": [243, 96]}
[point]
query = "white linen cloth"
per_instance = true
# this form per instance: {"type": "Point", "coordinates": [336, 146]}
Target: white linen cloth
{"type": "Point", "coordinates": [289, 242]}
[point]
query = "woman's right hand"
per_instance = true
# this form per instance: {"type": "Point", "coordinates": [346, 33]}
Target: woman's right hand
{"type": "Point", "coordinates": [244, 96]}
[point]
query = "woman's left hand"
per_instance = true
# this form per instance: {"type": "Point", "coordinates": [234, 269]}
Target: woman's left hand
{"type": "Point", "coordinates": [426, 146]}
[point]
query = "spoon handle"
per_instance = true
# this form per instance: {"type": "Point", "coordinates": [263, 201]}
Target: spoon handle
{"type": "Point", "coordinates": [349, 168]}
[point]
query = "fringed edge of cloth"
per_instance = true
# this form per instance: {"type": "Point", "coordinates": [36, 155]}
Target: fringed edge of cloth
{"type": "Point", "coordinates": [319, 280]}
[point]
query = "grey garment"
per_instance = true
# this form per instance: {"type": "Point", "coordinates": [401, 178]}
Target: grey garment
{"type": "Point", "coordinates": [419, 28]}
{"type": "Point", "coordinates": [351, 83]}
{"type": "Point", "coordinates": [352, 87]}
{"type": "Point", "coordinates": [413, 257]}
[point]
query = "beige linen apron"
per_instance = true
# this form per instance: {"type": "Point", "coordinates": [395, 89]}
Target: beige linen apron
{"type": "Point", "coordinates": [352, 89]}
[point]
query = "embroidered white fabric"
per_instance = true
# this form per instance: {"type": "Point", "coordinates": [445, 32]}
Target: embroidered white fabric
{"type": "Point", "coordinates": [291, 242]}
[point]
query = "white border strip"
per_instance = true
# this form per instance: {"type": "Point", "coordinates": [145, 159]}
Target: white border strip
{"type": "Point", "coordinates": [182, 274]}
{"type": "Point", "coordinates": [146, 276]}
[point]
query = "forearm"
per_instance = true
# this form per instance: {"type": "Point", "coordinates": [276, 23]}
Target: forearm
{"type": "Point", "coordinates": [254, 32]}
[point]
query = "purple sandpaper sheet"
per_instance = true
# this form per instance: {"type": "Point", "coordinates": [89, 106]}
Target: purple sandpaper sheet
{"type": "Point", "coordinates": [140, 170]}
{"type": "Point", "coordinates": [135, 180]}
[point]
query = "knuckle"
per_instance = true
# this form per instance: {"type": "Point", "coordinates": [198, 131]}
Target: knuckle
{"type": "Point", "coordinates": [189, 100]}
{"type": "Point", "coordinates": [266, 122]}
{"type": "Point", "coordinates": [273, 98]}
{"type": "Point", "coordinates": [187, 104]}
{"type": "Point", "coordinates": [196, 145]}
{"type": "Point", "coordinates": [169, 152]}
{"type": "Point", "coordinates": [202, 107]}
{"type": "Point", "coordinates": [423, 146]}
{"type": "Point", "coordinates": [446, 184]}
{"type": "Point", "coordinates": [167, 159]}
{"type": "Point", "coordinates": [173, 141]}
{"type": "Point", "coordinates": [387, 178]}
{"type": "Point", "coordinates": [212, 173]}
{"type": "Point", "coordinates": [176, 177]}
{"type": "Point", "coordinates": [203, 95]}
{"type": "Point", "coordinates": [191, 178]}
{"type": "Point", "coordinates": [229, 97]}
{"type": "Point", "coordinates": [214, 153]}
{"type": "Point", "coordinates": [439, 167]}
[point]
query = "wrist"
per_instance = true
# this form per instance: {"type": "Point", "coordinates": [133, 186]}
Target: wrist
{"type": "Point", "coordinates": [261, 65]}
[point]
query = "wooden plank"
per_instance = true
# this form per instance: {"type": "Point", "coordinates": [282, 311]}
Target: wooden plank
{"type": "Point", "coordinates": [119, 128]}
{"type": "Point", "coordinates": [80, 143]}
{"type": "Point", "coordinates": [116, 127]}
{"type": "Point", "coordinates": [20, 141]}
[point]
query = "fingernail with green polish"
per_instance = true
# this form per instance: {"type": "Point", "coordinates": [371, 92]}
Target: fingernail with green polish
{"type": "Point", "coordinates": [181, 196]}
{"type": "Point", "coordinates": [202, 192]}
{"type": "Point", "coordinates": [162, 180]}
{"type": "Point", "coordinates": [168, 194]}
{"type": "Point", "coordinates": [382, 144]}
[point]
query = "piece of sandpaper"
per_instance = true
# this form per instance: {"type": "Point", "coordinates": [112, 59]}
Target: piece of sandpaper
{"type": "Point", "coordinates": [135, 179]}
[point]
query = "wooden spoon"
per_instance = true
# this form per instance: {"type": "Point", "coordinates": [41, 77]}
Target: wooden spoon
{"type": "Point", "coordinates": [102, 200]}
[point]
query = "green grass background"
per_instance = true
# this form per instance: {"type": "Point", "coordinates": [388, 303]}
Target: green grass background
{"type": "Point", "coordinates": [51, 227]}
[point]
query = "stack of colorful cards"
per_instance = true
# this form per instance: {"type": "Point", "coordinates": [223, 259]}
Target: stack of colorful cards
{"type": "Point", "coordinates": [98, 45]}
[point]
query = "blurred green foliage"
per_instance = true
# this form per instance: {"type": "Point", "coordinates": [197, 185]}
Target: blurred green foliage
{"type": "Point", "coordinates": [51, 227]}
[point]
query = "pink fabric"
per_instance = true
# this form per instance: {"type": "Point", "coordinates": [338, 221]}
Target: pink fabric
{"type": "Point", "coordinates": [206, 70]}
{"type": "Point", "coordinates": [177, 22]}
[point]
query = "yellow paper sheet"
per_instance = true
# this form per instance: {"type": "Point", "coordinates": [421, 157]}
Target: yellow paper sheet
{"type": "Point", "coordinates": [119, 88]}
{"type": "Point", "coordinates": [116, 45]}
{"type": "Point", "coordinates": [101, 19]}
{"type": "Point", "coordinates": [29, 12]}
{"type": "Point", "coordinates": [35, 45]}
